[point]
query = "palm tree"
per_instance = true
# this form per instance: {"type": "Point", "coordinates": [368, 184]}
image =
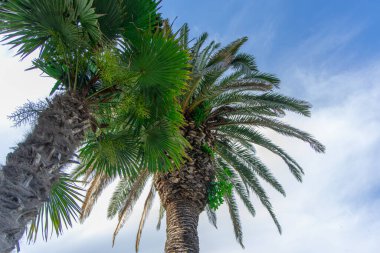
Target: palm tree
{"type": "Point", "coordinates": [76, 40]}
{"type": "Point", "coordinates": [226, 102]}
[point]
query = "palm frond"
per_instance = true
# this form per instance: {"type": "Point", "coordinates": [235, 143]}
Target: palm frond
{"type": "Point", "coordinates": [225, 54]}
{"type": "Point", "coordinates": [251, 180]}
{"type": "Point", "coordinates": [275, 125]}
{"type": "Point", "coordinates": [141, 15]}
{"type": "Point", "coordinates": [111, 18]}
{"type": "Point", "coordinates": [97, 186]}
{"type": "Point", "coordinates": [123, 191]}
{"type": "Point", "coordinates": [147, 206]}
{"type": "Point", "coordinates": [200, 65]}
{"type": "Point", "coordinates": [242, 133]}
{"type": "Point", "coordinates": [161, 64]}
{"type": "Point", "coordinates": [211, 215]}
{"type": "Point", "coordinates": [195, 49]}
{"type": "Point", "coordinates": [184, 36]}
{"type": "Point", "coordinates": [195, 77]}
{"type": "Point", "coordinates": [242, 191]}
{"type": "Point", "coordinates": [163, 147]}
{"type": "Point", "coordinates": [59, 212]}
{"type": "Point", "coordinates": [30, 25]}
{"type": "Point", "coordinates": [244, 62]}
{"type": "Point", "coordinates": [246, 161]}
{"type": "Point", "coordinates": [235, 217]}
{"type": "Point", "coordinates": [160, 217]}
{"type": "Point", "coordinates": [271, 100]}
{"type": "Point", "coordinates": [114, 153]}
{"type": "Point", "coordinates": [124, 198]}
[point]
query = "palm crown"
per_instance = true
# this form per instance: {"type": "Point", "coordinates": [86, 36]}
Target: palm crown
{"type": "Point", "coordinates": [230, 101]}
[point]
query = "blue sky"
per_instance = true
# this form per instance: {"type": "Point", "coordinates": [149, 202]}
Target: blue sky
{"type": "Point", "coordinates": [327, 52]}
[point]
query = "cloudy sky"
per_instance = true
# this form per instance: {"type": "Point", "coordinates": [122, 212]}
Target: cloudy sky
{"type": "Point", "coordinates": [324, 51]}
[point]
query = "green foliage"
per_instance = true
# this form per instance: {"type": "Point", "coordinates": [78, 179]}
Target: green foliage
{"type": "Point", "coordinates": [208, 150]}
{"type": "Point", "coordinates": [151, 73]}
{"type": "Point", "coordinates": [66, 24]}
{"type": "Point", "coordinates": [219, 189]}
{"type": "Point", "coordinates": [65, 32]}
{"type": "Point", "coordinates": [140, 15]}
{"type": "Point", "coordinates": [113, 71]}
{"type": "Point", "coordinates": [200, 114]}
{"type": "Point", "coordinates": [111, 152]}
{"type": "Point", "coordinates": [69, 34]}
{"type": "Point", "coordinates": [235, 217]}
{"type": "Point", "coordinates": [59, 212]}
{"type": "Point", "coordinates": [111, 18]}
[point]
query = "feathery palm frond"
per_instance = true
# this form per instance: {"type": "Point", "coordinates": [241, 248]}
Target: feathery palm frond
{"type": "Point", "coordinates": [211, 215]}
{"type": "Point", "coordinates": [244, 161]}
{"type": "Point", "coordinates": [160, 217]}
{"type": "Point", "coordinates": [147, 206]}
{"type": "Point", "coordinates": [59, 212]}
{"type": "Point", "coordinates": [234, 214]}
{"type": "Point", "coordinates": [97, 186]}
{"type": "Point", "coordinates": [124, 198]}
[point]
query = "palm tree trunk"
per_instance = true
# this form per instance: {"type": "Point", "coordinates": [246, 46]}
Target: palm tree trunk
{"type": "Point", "coordinates": [183, 194]}
{"type": "Point", "coordinates": [181, 227]}
{"type": "Point", "coordinates": [33, 166]}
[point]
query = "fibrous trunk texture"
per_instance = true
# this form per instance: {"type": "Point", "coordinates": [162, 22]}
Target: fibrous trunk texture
{"type": "Point", "coordinates": [34, 165]}
{"type": "Point", "coordinates": [183, 193]}
{"type": "Point", "coordinates": [181, 227]}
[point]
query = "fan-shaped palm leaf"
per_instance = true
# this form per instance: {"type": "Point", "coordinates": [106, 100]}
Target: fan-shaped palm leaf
{"type": "Point", "coordinates": [60, 211]}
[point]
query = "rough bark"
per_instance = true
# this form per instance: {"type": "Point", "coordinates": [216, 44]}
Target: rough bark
{"type": "Point", "coordinates": [181, 227]}
{"type": "Point", "coordinates": [183, 193]}
{"type": "Point", "coordinates": [33, 166]}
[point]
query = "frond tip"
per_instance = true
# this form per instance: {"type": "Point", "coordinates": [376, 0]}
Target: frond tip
{"type": "Point", "coordinates": [123, 201]}
{"type": "Point", "coordinates": [27, 113]}
{"type": "Point", "coordinates": [147, 206]}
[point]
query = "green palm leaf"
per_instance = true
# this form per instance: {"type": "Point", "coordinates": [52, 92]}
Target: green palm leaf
{"type": "Point", "coordinates": [242, 159]}
{"type": "Point", "coordinates": [235, 217]}
{"type": "Point", "coordinates": [59, 212]}
{"type": "Point", "coordinates": [30, 25]}
{"type": "Point", "coordinates": [113, 153]}
{"type": "Point", "coordinates": [211, 215]}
